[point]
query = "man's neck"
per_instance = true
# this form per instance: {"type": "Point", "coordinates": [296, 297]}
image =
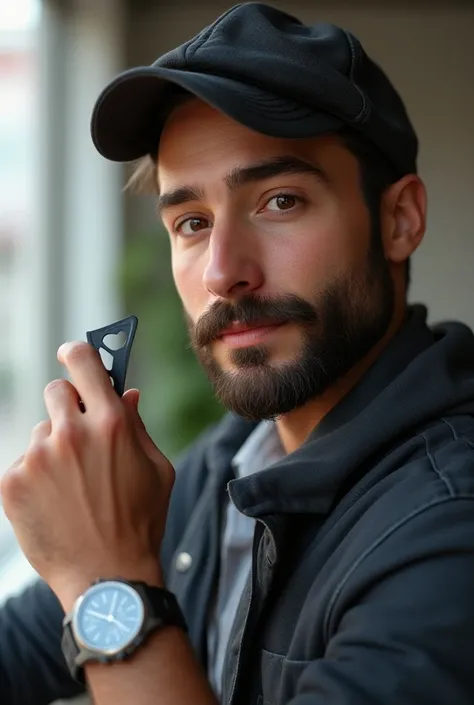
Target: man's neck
{"type": "Point", "coordinates": [295, 427]}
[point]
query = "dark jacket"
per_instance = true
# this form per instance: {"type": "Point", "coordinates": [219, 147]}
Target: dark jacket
{"type": "Point", "coordinates": [362, 588]}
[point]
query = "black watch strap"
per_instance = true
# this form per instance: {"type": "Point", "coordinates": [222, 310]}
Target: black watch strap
{"type": "Point", "coordinates": [164, 608]}
{"type": "Point", "coordinates": [161, 610]}
{"type": "Point", "coordinates": [71, 652]}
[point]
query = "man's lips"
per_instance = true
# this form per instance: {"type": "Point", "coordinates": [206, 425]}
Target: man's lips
{"type": "Point", "coordinates": [244, 334]}
{"type": "Point", "coordinates": [238, 327]}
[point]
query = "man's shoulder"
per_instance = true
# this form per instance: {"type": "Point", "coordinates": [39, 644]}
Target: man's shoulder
{"type": "Point", "coordinates": [440, 471]}
{"type": "Point", "coordinates": [434, 464]}
{"type": "Point", "coordinates": [449, 454]}
{"type": "Point", "coordinates": [418, 509]}
{"type": "Point", "coordinates": [434, 479]}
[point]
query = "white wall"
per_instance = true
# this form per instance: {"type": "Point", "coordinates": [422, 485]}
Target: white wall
{"type": "Point", "coordinates": [427, 50]}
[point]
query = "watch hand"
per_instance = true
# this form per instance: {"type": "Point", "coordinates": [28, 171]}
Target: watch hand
{"type": "Point", "coordinates": [98, 615]}
{"type": "Point", "coordinates": [120, 625]}
{"type": "Point", "coordinates": [113, 603]}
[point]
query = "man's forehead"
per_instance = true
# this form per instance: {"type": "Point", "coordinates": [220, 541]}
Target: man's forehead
{"type": "Point", "coordinates": [232, 163]}
{"type": "Point", "coordinates": [195, 130]}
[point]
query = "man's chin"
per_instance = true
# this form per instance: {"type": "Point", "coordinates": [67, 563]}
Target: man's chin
{"type": "Point", "coordinates": [259, 392]}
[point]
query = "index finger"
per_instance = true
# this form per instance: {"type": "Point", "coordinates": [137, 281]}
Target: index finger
{"type": "Point", "coordinates": [88, 374]}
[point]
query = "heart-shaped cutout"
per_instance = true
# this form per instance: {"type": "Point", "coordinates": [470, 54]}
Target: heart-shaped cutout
{"type": "Point", "coordinates": [115, 341]}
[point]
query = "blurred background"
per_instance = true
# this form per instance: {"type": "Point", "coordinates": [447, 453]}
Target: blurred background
{"type": "Point", "coordinates": [77, 253]}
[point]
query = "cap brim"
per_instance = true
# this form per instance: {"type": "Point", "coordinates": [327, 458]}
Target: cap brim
{"type": "Point", "coordinates": [129, 114]}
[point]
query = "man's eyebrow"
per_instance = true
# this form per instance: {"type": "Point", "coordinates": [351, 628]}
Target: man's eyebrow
{"type": "Point", "coordinates": [278, 166]}
{"type": "Point", "coordinates": [178, 196]}
{"type": "Point", "coordinates": [240, 176]}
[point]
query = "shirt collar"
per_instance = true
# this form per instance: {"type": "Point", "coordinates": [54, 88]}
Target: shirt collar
{"type": "Point", "coordinates": [260, 450]}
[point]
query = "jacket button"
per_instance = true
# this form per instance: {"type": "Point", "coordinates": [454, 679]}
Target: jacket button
{"type": "Point", "coordinates": [183, 562]}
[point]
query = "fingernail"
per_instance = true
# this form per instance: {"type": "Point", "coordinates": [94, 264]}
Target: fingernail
{"type": "Point", "coordinates": [63, 349]}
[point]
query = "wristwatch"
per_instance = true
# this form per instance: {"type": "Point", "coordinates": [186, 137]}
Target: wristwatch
{"type": "Point", "coordinates": [112, 619]}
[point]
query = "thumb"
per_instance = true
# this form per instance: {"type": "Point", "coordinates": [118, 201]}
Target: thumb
{"type": "Point", "coordinates": [131, 399]}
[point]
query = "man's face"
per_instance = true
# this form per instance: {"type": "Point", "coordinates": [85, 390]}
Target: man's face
{"type": "Point", "coordinates": [280, 271]}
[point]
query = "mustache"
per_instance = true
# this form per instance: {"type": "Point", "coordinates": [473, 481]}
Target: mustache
{"type": "Point", "coordinates": [250, 310]}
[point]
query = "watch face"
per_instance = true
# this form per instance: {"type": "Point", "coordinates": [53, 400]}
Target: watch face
{"type": "Point", "coordinates": [109, 617]}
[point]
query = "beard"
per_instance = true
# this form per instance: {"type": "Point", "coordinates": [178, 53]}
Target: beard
{"type": "Point", "coordinates": [338, 329]}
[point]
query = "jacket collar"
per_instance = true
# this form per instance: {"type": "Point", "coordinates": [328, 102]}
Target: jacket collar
{"type": "Point", "coordinates": [227, 439]}
{"type": "Point", "coordinates": [420, 374]}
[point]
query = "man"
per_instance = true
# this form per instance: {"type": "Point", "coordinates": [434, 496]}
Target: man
{"type": "Point", "coordinates": [338, 567]}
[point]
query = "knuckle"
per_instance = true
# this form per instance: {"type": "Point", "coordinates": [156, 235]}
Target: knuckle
{"type": "Point", "coordinates": [67, 434]}
{"type": "Point", "coordinates": [42, 429]}
{"type": "Point", "coordinates": [111, 421]}
{"type": "Point", "coordinates": [11, 486]}
{"type": "Point", "coordinates": [39, 427]}
{"type": "Point", "coordinates": [36, 456]}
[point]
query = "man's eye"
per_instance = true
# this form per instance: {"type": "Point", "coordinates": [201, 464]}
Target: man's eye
{"type": "Point", "coordinates": [191, 226]}
{"type": "Point", "coordinates": [282, 202]}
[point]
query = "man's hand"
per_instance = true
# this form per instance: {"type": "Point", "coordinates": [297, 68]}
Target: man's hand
{"type": "Point", "coordinates": [90, 495]}
{"type": "Point", "coordinates": [89, 499]}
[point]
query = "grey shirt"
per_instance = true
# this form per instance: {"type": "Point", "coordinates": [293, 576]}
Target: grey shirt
{"type": "Point", "coordinates": [261, 449]}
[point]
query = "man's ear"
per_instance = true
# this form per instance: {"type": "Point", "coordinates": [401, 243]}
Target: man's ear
{"type": "Point", "coordinates": [403, 217]}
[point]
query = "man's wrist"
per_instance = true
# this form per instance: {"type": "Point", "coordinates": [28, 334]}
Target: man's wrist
{"type": "Point", "coordinates": [69, 588]}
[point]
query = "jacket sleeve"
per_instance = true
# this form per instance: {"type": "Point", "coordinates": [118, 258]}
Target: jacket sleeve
{"type": "Point", "coordinates": [32, 667]}
{"type": "Point", "coordinates": [402, 626]}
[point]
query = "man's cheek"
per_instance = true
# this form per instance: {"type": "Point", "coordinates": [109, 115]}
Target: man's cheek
{"type": "Point", "coordinates": [194, 301]}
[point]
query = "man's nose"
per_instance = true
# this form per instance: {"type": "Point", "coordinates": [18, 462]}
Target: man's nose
{"type": "Point", "coordinates": [233, 266]}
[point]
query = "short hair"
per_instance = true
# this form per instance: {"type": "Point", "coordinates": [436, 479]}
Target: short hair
{"type": "Point", "coordinates": [377, 173]}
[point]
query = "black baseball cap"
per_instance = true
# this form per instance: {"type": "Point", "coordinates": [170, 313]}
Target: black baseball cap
{"type": "Point", "coordinates": [268, 71]}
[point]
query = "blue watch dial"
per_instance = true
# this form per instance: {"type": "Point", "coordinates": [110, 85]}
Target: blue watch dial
{"type": "Point", "coordinates": [109, 617]}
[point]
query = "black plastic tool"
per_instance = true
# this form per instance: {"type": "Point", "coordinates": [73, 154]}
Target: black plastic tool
{"type": "Point", "coordinates": [121, 354]}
